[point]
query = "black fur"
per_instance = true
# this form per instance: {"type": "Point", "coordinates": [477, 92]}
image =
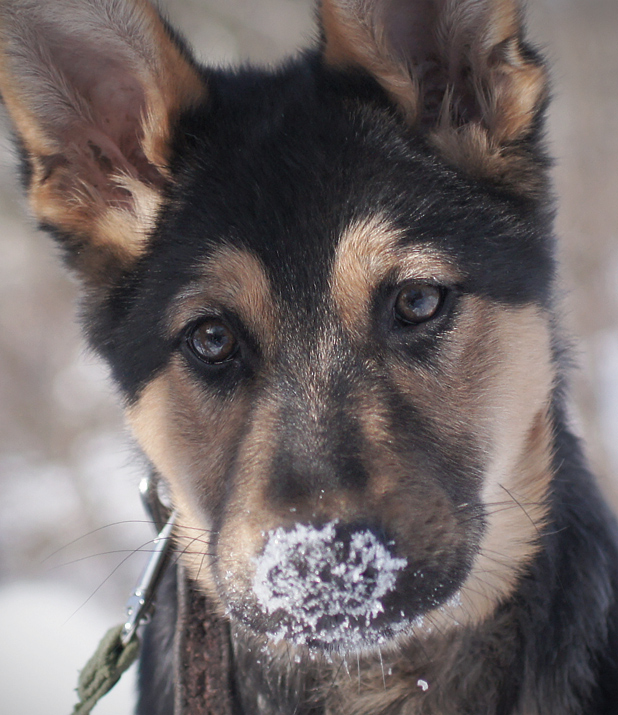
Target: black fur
{"type": "Point", "coordinates": [280, 163]}
{"type": "Point", "coordinates": [301, 153]}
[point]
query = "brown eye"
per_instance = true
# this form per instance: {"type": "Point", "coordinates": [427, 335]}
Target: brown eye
{"type": "Point", "coordinates": [418, 302]}
{"type": "Point", "coordinates": [212, 341]}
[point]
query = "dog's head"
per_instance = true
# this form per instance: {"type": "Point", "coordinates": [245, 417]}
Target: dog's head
{"type": "Point", "coordinates": [323, 292]}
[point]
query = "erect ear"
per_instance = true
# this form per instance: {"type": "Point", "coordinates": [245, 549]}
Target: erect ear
{"type": "Point", "coordinates": [457, 69]}
{"type": "Point", "coordinates": [93, 88]}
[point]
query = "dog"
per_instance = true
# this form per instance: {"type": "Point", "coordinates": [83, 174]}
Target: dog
{"type": "Point", "coordinates": [327, 293]}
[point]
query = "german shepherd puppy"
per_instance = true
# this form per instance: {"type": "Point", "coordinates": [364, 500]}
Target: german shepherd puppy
{"type": "Point", "coordinates": [327, 294]}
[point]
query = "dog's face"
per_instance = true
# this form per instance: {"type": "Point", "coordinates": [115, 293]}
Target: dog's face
{"type": "Point", "coordinates": [325, 304]}
{"type": "Point", "coordinates": [346, 349]}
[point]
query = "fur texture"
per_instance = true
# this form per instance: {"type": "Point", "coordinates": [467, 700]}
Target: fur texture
{"type": "Point", "coordinates": [326, 293]}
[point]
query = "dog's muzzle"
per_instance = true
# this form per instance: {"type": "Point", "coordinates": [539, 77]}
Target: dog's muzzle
{"type": "Point", "coordinates": [325, 587]}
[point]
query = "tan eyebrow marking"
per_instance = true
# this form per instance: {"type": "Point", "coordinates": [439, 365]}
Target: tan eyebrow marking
{"type": "Point", "coordinates": [369, 251]}
{"type": "Point", "coordinates": [235, 279]}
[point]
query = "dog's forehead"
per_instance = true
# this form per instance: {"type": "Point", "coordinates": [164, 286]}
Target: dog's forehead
{"type": "Point", "coordinates": [291, 210]}
{"type": "Point", "coordinates": [367, 252]}
{"type": "Point", "coordinates": [296, 185]}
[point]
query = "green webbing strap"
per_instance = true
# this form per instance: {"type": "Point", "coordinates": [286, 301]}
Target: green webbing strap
{"type": "Point", "coordinates": [104, 669]}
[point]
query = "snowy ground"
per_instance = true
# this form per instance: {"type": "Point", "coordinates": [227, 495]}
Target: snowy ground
{"type": "Point", "coordinates": [43, 646]}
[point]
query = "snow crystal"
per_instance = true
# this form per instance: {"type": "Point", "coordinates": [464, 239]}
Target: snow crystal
{"type": "Point", "coordinates": [320, 585]}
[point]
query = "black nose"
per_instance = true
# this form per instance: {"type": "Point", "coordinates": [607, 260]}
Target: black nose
{"type": "Point", "coordinates": [325, 583]}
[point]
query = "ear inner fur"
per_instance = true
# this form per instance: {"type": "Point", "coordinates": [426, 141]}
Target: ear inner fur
{"type": "Point", "coordinates": [96, 132]}
{"type": "Point", "coordinates": [461, 73]}
{"type": "Point", "coordinates": [354, 43]}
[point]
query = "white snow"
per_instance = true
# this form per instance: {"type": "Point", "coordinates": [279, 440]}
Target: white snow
{"type": "Point", "coordinates": [321, 586]}
{"type": "Point", "coordinates": [43, 647]}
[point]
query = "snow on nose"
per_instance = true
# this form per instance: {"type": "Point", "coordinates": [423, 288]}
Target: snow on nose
{"type": "Point", "coordinates": [324, 583]}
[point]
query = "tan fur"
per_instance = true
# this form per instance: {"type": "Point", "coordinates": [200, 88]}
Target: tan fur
{"type": "Point", "coordinates": [54, 119]}
{"type": "Point", "coordinates": [470, 148]}
{"type": "Point", "coordinates": [149, 420]}
{"type": "Point", "coordinates": [367, 253]}
{"type": "Point", "coordinates": [187, 437]}
{"type": "Point", "coordinates": [513, 369]}
{"type": "Point", "coordinates": [172, 87]}
{"type": "Point", "coordinates": [351, 40]}
{"type": "Point", "coordinates": [77, 208]}
{"type": "Point", "coordinates": [516, 507]}
{"type": "Point", "coordinates": [120, 225]}
{"type": "Point", "coordinates": [501, 382]}
{"type": "Point", "coordinates": [250, 516]}
{"type": "Point", "coordinates": [235, 279]}
{"type": "Point", "coordinates": [180, 427]}
{"type": "Point", "coordinates": [494, 369]}
{"type": "Point", "coordinates": [506, 88]}
{"type": "Point", "coordinates": [519, 475]}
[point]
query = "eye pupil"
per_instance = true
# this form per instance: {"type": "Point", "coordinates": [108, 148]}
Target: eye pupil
{"type": "Point", "coordinates": [418, 302]}
{"type": "Point", "coordinates": [212, 341]}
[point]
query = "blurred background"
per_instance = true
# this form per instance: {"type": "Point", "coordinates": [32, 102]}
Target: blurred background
{"type": "Point", "coordinates": [70, 519]}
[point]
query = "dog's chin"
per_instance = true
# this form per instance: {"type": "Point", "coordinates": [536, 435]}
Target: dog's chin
{"type": "Point", "coordinates": [340, 633]}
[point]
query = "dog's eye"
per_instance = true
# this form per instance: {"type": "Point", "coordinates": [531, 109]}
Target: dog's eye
{"type": "Point", "coordinates": [212, 341]}
{"type": "Point", "coordinates": [417, 303]}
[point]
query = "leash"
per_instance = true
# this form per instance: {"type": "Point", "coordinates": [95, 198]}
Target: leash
{"type": "Point", "coordinates": [202, 654]}
{"type": "Point", "coordinates": [104, 669]}
{"type": "Point", "coordinates": [119, 647]}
